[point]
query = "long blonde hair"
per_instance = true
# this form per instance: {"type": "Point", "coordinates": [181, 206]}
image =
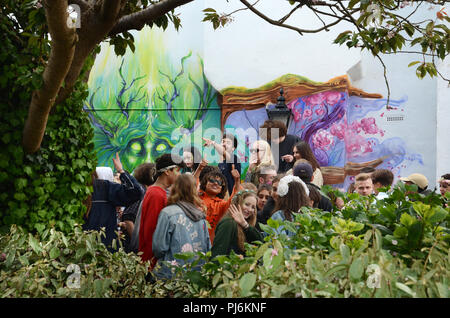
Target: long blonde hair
{"type": "Point", "coordinates": [267, 159]}
{"type": "Point", "coordinates": [238, 200]}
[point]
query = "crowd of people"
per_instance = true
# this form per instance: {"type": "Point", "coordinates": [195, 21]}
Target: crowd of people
{"type": "Point", "coordinates": [184, 204]}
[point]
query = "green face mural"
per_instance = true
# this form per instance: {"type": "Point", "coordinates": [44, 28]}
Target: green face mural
{"type": "Point", "coordinates": [144, 115]}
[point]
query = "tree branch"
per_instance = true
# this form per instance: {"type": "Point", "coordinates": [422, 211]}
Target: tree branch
{"type": "Point", "coordinates": [287, 26]}
{"type": "Point", "coordinates": [136, 21]}
{"type": "Point", "coordinates": [110, 9]}
{"type": "Point", "coordinates": [61, 56]}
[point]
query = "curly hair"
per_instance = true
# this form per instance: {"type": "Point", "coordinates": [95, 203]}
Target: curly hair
{"type": "Point", "coordinates": [145, 173]}
{"type": "Point", "coordinates": [214, 174]}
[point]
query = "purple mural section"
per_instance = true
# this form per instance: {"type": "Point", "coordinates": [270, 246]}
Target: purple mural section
{"type": "Point", "coordinates": [339, 128]}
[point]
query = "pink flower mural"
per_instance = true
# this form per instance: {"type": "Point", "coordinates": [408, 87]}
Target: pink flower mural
{"type": "Point", "coordinates": [322, 139]}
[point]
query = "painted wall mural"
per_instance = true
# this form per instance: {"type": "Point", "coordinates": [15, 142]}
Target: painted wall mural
{"type": "Point", "coordinates": [143, 115]}
{"type": "Point", "coordinates": [336, 119]}
{"type": "Point", "coordinates": [148, 102]}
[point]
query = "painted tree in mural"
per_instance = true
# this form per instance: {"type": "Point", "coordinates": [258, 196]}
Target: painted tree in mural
{"type": "Point", "coordinates": [140, 123]}
{"type": "Point", "coordinates": [378, 27]}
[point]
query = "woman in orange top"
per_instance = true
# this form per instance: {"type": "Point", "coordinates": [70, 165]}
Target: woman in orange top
{"type": "Point", "coordinates": [213, 185]}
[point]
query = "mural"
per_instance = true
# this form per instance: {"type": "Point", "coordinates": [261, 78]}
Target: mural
{"type": "Point", "coordinates": [143, 108]}
{"type": "Point", "coordinates": [148, 102]}
{"type": "Point", "coordinates": [337, 122]}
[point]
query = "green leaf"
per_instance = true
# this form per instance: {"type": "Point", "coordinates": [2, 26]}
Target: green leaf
{"type": "Point", "coordinates": [406, 289]}
{"type": "Point", "coordinates": [356, 269]}
{"type": "Point", "coordinates": [54, 253]}
{"type": "Point", "coordinates": [34, 244]}
{"type": "Point", "coordinates": [345, 252]}
{"type": "Point", "coordinates": [246, 283]}
{"type": "Point", "coordinates": [413, 63]}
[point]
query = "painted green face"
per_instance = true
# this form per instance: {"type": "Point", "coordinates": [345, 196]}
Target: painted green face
{"type": "Point", "coordinates": [142, 133]}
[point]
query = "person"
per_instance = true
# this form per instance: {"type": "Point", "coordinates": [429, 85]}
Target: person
{"type": "Point", "coordinates": [144, 174]}
{"type": "Point", "coordinates": [268, 208]}
{"type": "Point", "coordinates": [191, 158]}
{"type": "Point", "coordinates": [419, 180]}
{"type": "Point", "coordinates": [181, 226]}
{"type": "Point", "coordinates": [382, 178]}
{"type": "Point", "coordinates": [264, 193]}
{"type": "Point", "coordinates": [226, 152]}
{"type": "Point", "coordinates": [213, 185]}
{"type": "Point", "coordinates": [304, 171]}
{"type": "Point", "coordinates": [293, 194]}
{"type": "Point", "coordinates": [444, 184]}
{"type": "Point", "coordinates": [363, 184]}
{"type": "Point", "coordinates": [249, 186]}
{"type": "Point", "coordinates": [237, 226]}
{"type": "Point", "coordinates": [314, 196]}
{"type": "Point", "coordinates": [302, 150]}
{"type": "Point", "coordinates": [281, 143]}
{"type": "Point", "coordinates": [265, 174]}
{"type": "Point", "coordinates": [106, 196]}
{"type": "Point", "coordinates": [167, 170]}
{"type": "Point", "coordinates": [260, 155]}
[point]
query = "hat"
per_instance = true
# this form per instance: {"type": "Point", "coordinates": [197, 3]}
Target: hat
{"type": "Point", "coordinates": [418, 179]}
{"type": "Point", "coordinates": [304, 171]}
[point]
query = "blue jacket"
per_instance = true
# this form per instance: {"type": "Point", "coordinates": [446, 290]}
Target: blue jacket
{"type": "Point", "coordinates": [279, 215]}
{"type": "Point", "coordinates": [176, 233]}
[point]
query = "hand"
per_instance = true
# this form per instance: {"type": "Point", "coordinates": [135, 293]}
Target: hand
{"type": "Point", "coordinates": [203, 163]}
{"type": "Point", "coordinates": [288, 158]}
{"type": "Point", "coordinates": [235, 173]}
{"type": "Point", "coordinates": [208, 142]}
{"type": "Point", "coordinates": [236, 214]}
{"type": "Point", "coordinates": [117, 163]}
{"type": "Point", "coordinates": [339, 203]}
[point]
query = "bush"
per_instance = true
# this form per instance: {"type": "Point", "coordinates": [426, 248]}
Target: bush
{"type": "Point", "coordinates": [358, 252]}
{"type": "Point", "coordinates": [75, 265]}
{"type": "Point", "coordinates": [397, 247]}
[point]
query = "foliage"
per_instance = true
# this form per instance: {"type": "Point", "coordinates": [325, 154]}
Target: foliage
{"type": "Point", "coordinates": [331, 255]}
{"type": "Point", "coordinates": [47, 188]}
{"type": "Point", "coordinates": [74, 265]}
{"type": "Point", "coordinates": [334, 255]}
{"type": "Point", "coordinates": [380, 26]}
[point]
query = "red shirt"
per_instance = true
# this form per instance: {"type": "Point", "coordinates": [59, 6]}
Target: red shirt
{"type": "Point", "coordinates": [155, 200]}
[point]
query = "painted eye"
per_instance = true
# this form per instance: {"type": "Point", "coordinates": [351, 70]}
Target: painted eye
{"type": "Point", "coordinates": [161, 147]}
{"type": "Point", "coordinates": [136, 147]}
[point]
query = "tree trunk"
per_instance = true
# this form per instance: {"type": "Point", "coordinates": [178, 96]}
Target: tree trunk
{"type": "Point", "coordinates": [61, 56]}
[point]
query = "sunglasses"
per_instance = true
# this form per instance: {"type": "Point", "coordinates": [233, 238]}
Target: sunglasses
{"type": "Point", "coordinates": [217, 181]}
{"type": "Point", "coordinates": [256, 150]}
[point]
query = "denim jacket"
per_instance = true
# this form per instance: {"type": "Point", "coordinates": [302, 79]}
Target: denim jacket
{"type": "Point", "coordinates": [176, 233]}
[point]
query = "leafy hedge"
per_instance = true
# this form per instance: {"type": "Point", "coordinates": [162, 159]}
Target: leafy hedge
{"type": "Point", "coordinates": [46, 189]}
{"type": "Point", "coordinates": [332, 255]}
{"type": "Point", "coordinates": [75, 265]}
{"type": "Point", "coordinates": [397, 247]}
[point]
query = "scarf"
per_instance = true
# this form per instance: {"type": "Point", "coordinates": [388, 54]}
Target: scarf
{"type": "Point", "coordinates": [191, 211]}
{"type": "Point", "coordinates": [105, 173]}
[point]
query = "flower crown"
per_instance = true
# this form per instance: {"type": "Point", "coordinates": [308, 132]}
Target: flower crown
{"type": "Point", "coordinates": [283, 185]}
